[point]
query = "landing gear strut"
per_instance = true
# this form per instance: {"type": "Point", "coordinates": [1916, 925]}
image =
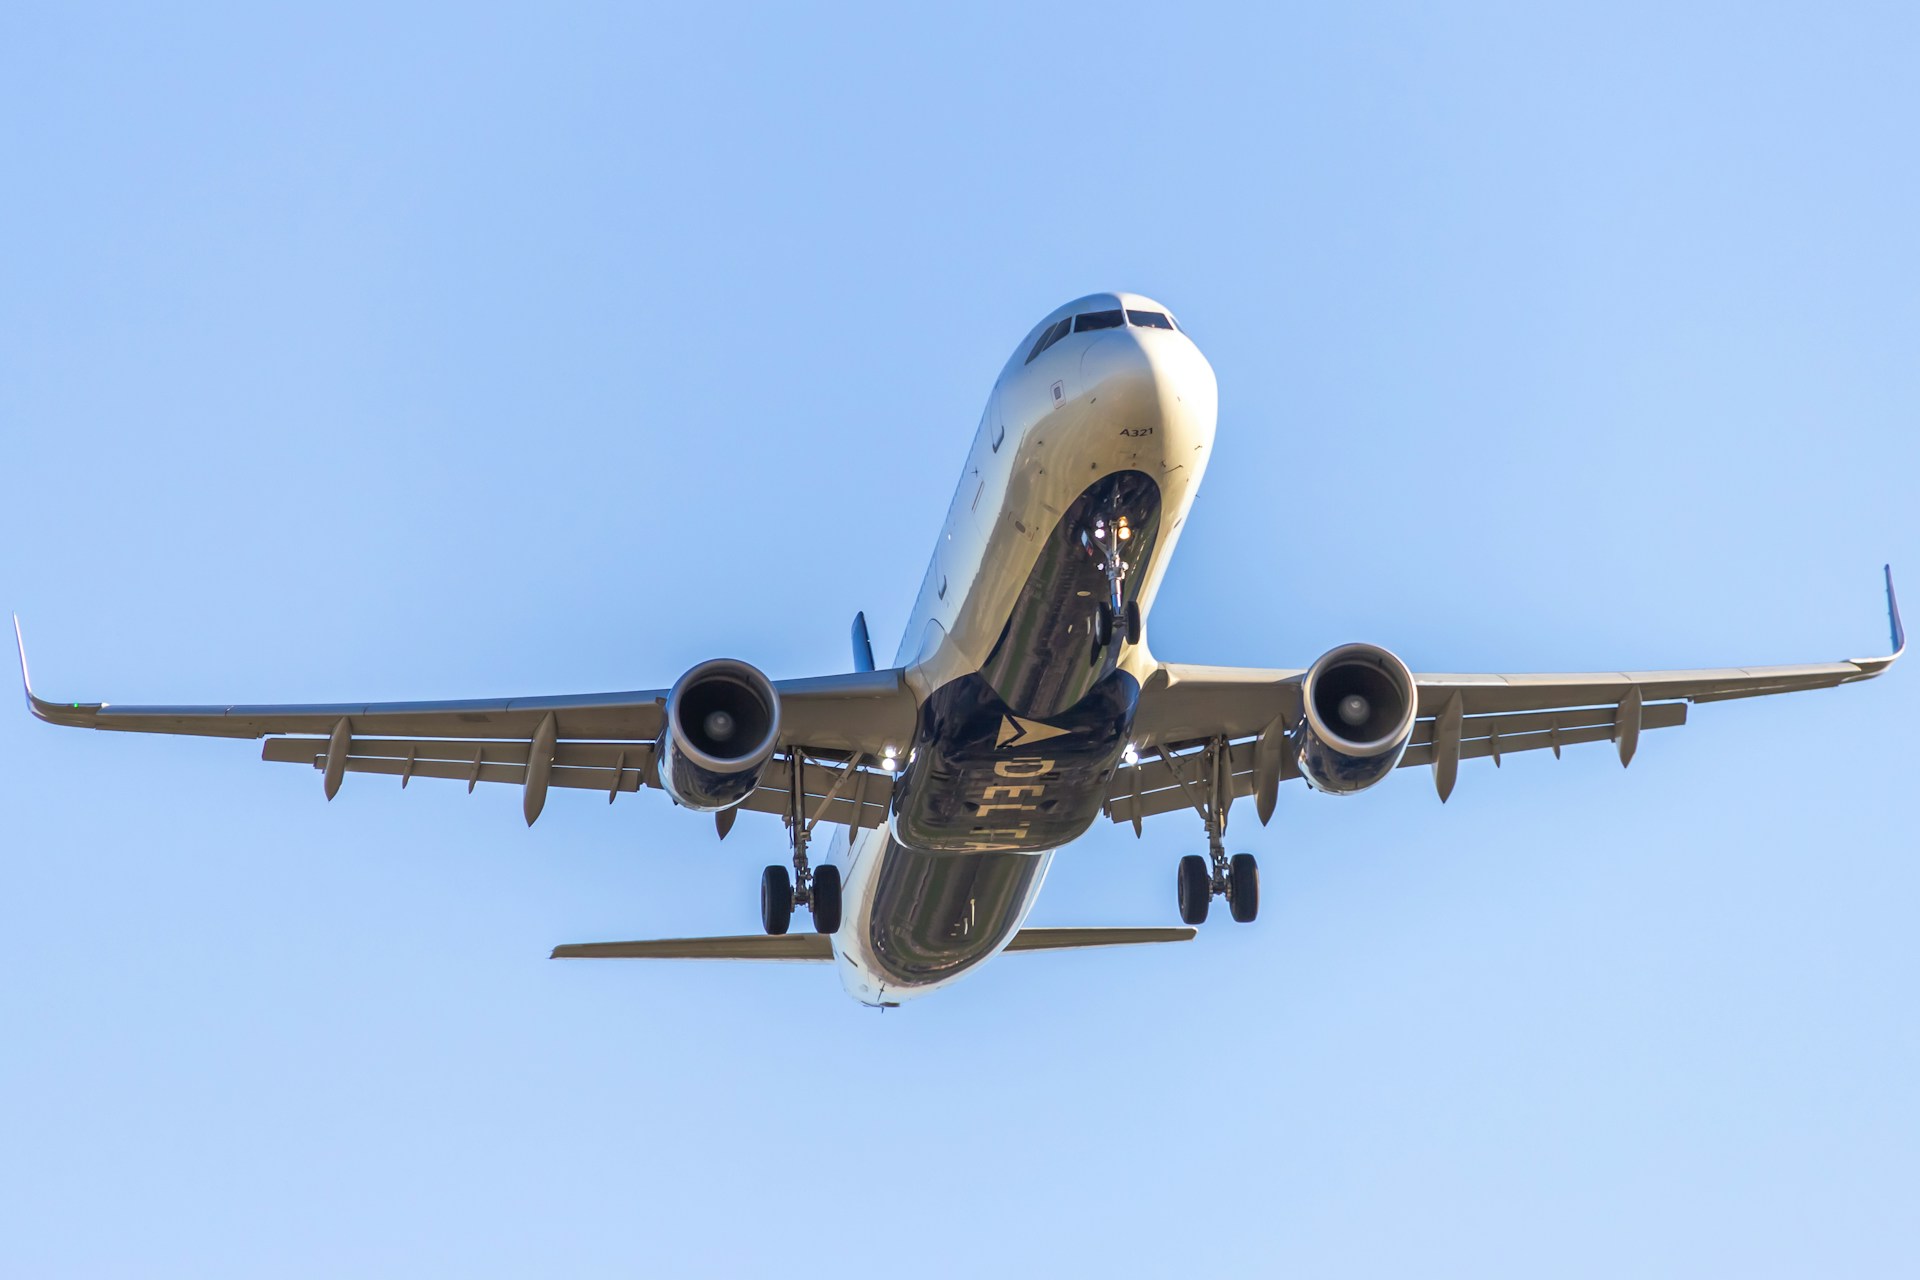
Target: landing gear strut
{"type": "Point", "coordinates": [818, 890]}
{"type": "Point", "coordinates": [1200, 880]}
{"type": "Point", "coordinates": [1116, 614]}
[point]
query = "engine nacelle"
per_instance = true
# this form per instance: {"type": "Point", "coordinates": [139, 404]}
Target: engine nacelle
{"type": "Point", "coordinates": [1360, 702]}
{"type": "Point", "coordinates": [723, 719]}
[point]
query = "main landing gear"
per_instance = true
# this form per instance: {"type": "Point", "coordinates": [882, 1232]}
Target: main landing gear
{"type": "Point", "coordinates": [818, 889]}
{"type": "Point", "coordinates": [1200, 880]}
{"type": "Point", "coordinates": [778, 899]}
{"type": "Point", "coordinates": [1115, 614]}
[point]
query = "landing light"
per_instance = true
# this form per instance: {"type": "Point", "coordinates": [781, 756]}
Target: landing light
{"type": "Point", "coordinates": [888, 761]}
{"type": "Point", "coordinates": [1131, 756]}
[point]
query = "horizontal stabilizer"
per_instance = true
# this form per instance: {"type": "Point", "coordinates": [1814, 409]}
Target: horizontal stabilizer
{"type": "Point", "coordinates": [1061, 939]}
{"type": "Point", "coordinates": [749, 946]}
{"type": "Point", "coordinates": [817, 947]}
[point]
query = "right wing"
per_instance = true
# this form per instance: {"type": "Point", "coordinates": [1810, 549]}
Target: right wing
{"type": "Point", "coordinates": [1186, 709]}
{"type": "Point", "coordinates": [840, 725]}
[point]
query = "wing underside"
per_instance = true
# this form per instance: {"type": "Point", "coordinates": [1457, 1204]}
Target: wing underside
{"type": "Point", "coordinates": [835, 727]}
{"type": "Point", "coordinates": [841, 787]}
{"type": "Point", "coordinates": [1187, 711]}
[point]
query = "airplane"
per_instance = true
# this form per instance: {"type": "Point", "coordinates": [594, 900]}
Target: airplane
{"type": "Point", "coordinates": [1023, 703]}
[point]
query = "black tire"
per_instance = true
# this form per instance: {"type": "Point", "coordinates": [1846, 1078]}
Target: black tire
{"type": "Point", "coordinates": [1243, 887]}
{"type": "Point", "coordinates": [1133, 622]}
{"type": "Point", "coordinates": [1103, 625]}
{"type": "Point", "coordinates": [776, 899]}
{"type": "Point", "coordinates": [1195, 884]}
{"type": "Point", "coordinates": [826, 900]}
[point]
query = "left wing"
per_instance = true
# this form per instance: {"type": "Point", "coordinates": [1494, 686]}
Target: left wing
{"type": "Point", "coordinates": [1186, 710]}
{"type": "Point", "coordinates": [842, 725]}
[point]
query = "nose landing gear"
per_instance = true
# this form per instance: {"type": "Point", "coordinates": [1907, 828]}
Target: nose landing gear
{"type": "Point", "coordinates": [1108, 542]}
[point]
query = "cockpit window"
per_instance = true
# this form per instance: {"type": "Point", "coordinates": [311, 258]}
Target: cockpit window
{"type": "Point", "coordinates": [1098, 320]}
{"type": "Point", "coordinates": [1053, 334]}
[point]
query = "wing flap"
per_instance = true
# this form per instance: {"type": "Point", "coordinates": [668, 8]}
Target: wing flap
{"type": "Point", "coordinates": [1159, 789]}
{"type": "Point", "coordinates": [1504, 726]}
{"type": "Point", "coordinates": [862, 799]}
{"type": "Point", "coordinates": [587, 766]}
{"type": "Point", "coordinates": [1503, 742]}
{"type": "Point", "coordinates": [1152, 786]}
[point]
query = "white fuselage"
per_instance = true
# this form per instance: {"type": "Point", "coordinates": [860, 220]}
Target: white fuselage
{"type": "Point", "coordinates": [1092, 405]}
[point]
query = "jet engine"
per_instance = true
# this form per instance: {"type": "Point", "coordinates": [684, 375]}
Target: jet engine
{"type": "Point", "coordinates": [723, 718]}
{"type": "Point", "coordinates": [1359, 705]}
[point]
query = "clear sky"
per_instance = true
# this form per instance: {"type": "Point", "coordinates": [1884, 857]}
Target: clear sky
{"type": "Point", "coordinates": [484, 352]}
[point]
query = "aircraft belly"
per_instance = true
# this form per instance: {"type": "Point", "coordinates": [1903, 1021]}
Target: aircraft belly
{"type": "Point", "coordinates": [1023, 716]}
{"type": "Point", "coordinates": [1015, 757]}
{"type": "Point", "coordinates": [919, 920]}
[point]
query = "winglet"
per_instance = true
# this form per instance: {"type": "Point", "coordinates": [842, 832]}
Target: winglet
{"type": "Point", "coordinates": [1893, 615]}
{"type": "Point", "coordinates": [81, 715]}
{"type": "Point", "coordinates": [26, 681]}
{"type": "Point", "coordinates": [1898, 633]}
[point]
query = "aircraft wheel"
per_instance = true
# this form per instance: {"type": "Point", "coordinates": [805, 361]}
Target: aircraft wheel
{"type": "Point", "coordinates": [776, 899]}
{"type": "Point", "coordinates": [1243, 893]}
{"type": "Point", "coordinates": [826, 899]}
{"type": "Point", "coordinates": [1196, 888]}
{"type": "Point", "coordinates": [1133, 622]}
{"type": "Point", "coordinates": [1103, 625]}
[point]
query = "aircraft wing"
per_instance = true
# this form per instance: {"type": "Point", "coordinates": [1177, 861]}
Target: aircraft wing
{"type": "Point", "coordinates": [841, 725]}
{"type": "Point", "coordinates": [1461, 717]}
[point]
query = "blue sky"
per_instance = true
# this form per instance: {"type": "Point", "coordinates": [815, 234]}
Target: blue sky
{"type": "Point", "coordinates": [478, 351]}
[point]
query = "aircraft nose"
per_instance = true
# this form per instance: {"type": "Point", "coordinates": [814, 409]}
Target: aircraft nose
{"type": "Point", "coordinates": [1117, 356]}
{"type": "Point", "coordinates": [1151, 378]}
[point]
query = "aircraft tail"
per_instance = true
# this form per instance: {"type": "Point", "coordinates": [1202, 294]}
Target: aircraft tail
{"type": "Point", "coordinates": [818, 948]}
